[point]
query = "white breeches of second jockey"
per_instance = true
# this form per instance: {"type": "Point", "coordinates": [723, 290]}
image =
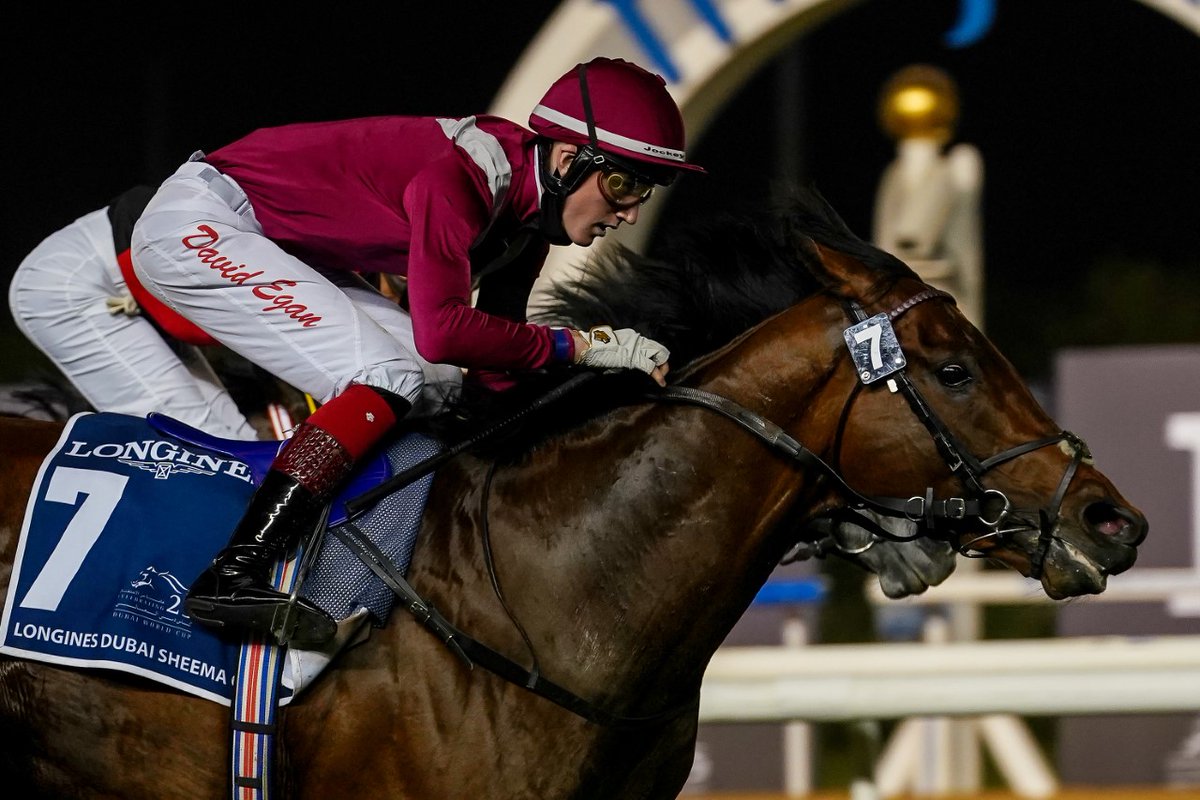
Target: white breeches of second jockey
{"type": "Point", "coordinates": [119, 363]}
{"type": "Point", "coordinates": [199, 249]}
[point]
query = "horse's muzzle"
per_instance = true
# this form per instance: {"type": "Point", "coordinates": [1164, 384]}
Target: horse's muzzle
{"type": "Point", "coordinates": [1079, 565]}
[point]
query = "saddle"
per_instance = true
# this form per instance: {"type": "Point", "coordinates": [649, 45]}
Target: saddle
{"type": "Point", "coordinates": [150, 500]}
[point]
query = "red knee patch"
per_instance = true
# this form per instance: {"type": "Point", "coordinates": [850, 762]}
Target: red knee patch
{"type": "Point", "coordinates": [357, 418]}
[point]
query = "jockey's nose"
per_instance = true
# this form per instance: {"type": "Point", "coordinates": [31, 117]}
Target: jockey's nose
{"type": "Point", "coordinates": [629, 215]}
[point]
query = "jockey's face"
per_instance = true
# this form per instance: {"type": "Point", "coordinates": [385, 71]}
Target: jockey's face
{"type": "Point", "coordinates": [587, 212]}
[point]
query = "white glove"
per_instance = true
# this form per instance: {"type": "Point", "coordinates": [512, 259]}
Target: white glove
{"type": "Point", "coordinates": [623, 349]}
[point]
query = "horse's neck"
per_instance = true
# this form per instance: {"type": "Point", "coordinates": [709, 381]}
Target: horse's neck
{"type": "Point", "coordinates": [628, 549]}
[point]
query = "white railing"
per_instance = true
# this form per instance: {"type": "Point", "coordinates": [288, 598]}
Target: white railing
{"type": "Point", "coordinates": [1048, 677]}
{"type": "Point", "coordinates": [932, 683]}
{"type": "Point", "coordinates": [933, 755]}
{"type": "Point", "coordinates": [1177, 588]}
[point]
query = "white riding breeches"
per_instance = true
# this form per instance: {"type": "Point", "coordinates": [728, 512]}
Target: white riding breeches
{"type": "Point", "coordinates": [120, 363]}
{"type": "Point", "coordinates": [199, 249]}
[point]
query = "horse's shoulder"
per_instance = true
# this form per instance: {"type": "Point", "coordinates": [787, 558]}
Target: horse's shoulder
{"type": "Point", "coordinates": [24, 444]}
{"type": "Point", "coordinates": [21, 436]}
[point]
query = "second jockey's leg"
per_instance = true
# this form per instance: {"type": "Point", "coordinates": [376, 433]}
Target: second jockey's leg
{"type": "Point", "coordinates": [119, 362]}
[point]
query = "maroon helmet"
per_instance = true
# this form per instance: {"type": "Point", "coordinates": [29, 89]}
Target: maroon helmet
{"type": "Point", "coordinates": [620, 110]}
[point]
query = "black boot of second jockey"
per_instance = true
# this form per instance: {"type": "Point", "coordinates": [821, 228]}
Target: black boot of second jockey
{"type": "Point", "coordinates": [235, 592]}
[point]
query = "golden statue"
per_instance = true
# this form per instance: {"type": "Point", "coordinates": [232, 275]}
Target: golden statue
{"type": "Point", "coordinates": [927, 209]}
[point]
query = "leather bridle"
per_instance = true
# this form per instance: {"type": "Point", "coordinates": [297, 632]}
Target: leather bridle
{"type": "Point", "coordinates": [970, 470]}
{"type": "Point", "coordinates": [935, 517]}
{"type": "Point", "coordinates": [990, 508]}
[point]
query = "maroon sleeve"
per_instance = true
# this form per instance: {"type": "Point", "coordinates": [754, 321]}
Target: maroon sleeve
{"type": "Point", "coordinates": [448, 207]}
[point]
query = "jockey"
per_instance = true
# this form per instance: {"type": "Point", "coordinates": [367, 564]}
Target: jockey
{"type": "Point", "coordinates": [70, 297]}
{"type": "Point", "coordinates": [258, 243]}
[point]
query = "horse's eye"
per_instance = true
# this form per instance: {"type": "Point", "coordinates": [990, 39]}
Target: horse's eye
{"type": "Point", "coordinates": [953, 375]}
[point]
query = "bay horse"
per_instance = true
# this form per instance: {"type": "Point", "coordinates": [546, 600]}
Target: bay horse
{"type": "Point", "coordinates": [613, 551]}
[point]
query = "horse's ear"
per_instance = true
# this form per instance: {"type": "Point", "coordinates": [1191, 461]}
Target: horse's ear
{"type": "Point", "coordinates": [839, 272]}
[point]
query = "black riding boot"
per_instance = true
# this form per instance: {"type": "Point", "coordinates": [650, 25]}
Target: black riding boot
{"type": "Point", "coordinates": [235, 591]}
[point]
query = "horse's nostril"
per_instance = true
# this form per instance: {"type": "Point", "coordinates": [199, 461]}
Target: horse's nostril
{"type": "Point", "coordinates": [1122, 524]}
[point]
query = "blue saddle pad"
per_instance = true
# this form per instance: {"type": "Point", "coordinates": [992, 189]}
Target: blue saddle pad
{"type": "Point", "coordinates": [123, 516]}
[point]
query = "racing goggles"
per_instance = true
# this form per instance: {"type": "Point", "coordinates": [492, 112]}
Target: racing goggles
{"type": "Point", "coordinates": [621, 188]}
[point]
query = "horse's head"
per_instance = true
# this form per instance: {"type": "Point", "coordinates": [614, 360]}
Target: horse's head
{"type": "Point", "coordinates": [963, 449]}
{"type": "Point", "coordinates": [758, 309]}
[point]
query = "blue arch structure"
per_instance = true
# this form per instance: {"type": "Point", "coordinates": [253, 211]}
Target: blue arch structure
{"type": "Point", "coordinates": [706, 49]}
{"type": "Point", "coordinates": [974, 20]}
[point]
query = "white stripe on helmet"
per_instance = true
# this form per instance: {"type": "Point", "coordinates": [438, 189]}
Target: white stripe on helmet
{"type": "Point", "coordinates": [608, 137]}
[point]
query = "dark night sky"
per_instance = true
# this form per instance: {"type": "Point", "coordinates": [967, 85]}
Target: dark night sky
{"type": "Point", "coordinates": [1086, 112]}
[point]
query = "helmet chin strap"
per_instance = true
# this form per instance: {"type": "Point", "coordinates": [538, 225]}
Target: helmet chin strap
{"type": "Point", "coordinates": [554, 197]}
{"type": "Point", "coordinates": [557, 188]}
{"type": "Point", "coordinates": [550, 222]}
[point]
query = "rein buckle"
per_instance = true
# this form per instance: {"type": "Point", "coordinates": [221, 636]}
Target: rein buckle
{"type": "Point", "coordinates": [956, 508]}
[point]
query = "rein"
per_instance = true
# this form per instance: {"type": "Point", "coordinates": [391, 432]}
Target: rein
{"type": "Point", "coordinates": [468, 649]}
{"type": "Point", "coordinates": [357, 505]}
{"type": "Point", "coordinates": [472, 652]}
{"type": "Point", "coordinates": [988, 507]}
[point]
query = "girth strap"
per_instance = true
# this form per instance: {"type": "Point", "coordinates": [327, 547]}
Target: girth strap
{"type": "Point", "coordinates": [473, 652]}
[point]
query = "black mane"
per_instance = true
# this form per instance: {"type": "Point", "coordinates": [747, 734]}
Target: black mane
{"type": "Point", "coordinates": [712, 283]}
{"type": "Point", "coordinates": [705, 287]}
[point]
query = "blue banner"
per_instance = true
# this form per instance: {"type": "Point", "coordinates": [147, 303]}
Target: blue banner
{"type": "Point", "coordinates": [121, 520]}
